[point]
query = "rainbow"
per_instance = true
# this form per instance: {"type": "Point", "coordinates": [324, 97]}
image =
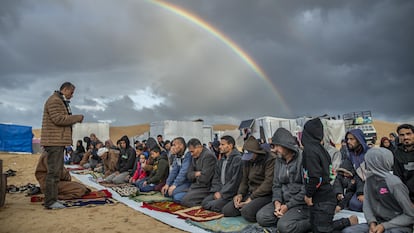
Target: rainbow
{"type": "Point", "coordinates": [225, 39]}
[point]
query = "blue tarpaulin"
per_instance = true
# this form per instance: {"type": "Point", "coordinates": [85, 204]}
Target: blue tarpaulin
{"type": "Point", "coordinates": [15, 138]}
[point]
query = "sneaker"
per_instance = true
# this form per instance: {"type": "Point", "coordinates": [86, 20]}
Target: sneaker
{"type": "Point", "coordinates": [56, 205]}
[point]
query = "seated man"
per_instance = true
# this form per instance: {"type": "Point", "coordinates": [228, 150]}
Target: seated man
{"type": "Point", "coordinates": [109, 158]}
{"type": "Point", "coordinates": [156, 180]}
{"type": "Point", "coordinates": [67, 189]}
{"type": "Point", "coordinates": [125, 163]}
{"type": "Point", "coordinates": [177, 183]}
{"type": "Point", "coordinates": [226, 178]}
{"type": "Point", "coordinates": [387, 205]}
{"type": "Point", "coordinates": [288, 209]}
{"type": "Point", "coordinates": [200, 173]}
{"type": "Point", "coordinates": [255, 190]}
{"type": "Point", "coordinates": [91, 159]}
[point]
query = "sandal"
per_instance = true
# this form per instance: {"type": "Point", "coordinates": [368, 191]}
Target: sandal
{"type": "Point", "coordinates": [10, 172]}
{"type": "Point", "coordinates": [33, 191]}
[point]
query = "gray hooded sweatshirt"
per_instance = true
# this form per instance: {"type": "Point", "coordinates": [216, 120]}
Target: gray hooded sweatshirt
{"type": "Point", "coordinates": [288, 184]}
{"type": "Point", "coordinates": [386, 197]}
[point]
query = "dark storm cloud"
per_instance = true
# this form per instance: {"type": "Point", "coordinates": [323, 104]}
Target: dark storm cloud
{"type": "Point", "coordinates": [323, 57]}
{"type": "Point", "coordinates": [339, 56]}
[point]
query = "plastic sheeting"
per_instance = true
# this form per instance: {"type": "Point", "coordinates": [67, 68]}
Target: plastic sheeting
{"type": "Point", "coordinates": [16, 138]}
{"type": "Point", "coordinates": [101, 130]}
{"type": "Point", "coordinates": [187, 129]}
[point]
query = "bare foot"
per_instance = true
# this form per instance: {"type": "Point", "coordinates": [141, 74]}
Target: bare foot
{"type": "Point", "coordinates": [353, 219]}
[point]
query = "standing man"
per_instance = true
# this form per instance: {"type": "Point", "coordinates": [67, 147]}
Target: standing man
{"type": "Point", "coordinates": [317, 167]}
{"type": "Point", "coordinates": [227, 176]}
{"type": "Point", "coordinates": [56, 134]}
{"type": "Point", "coordinates": [404, 157]}
{"type": "Point", "coordinates": [200, 173]}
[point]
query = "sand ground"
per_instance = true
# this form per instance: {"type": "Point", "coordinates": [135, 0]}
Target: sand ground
{"type": "Point", "coordinates": [20, 215]}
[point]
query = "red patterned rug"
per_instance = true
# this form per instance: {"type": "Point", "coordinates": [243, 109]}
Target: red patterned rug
{"type": "Point", "coordinates": [98, 194]}
{"type": "Point", "coordinates": [198, 214]}
{"type": "Point", "coordinates": [163, 206]}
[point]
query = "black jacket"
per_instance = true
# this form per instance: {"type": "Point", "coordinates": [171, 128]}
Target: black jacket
{"type": "Point", "coordinates": [160, 169]}
{"type": "Point", "coordinates": [232, 175]}
{"type": "Point", "coordinates": [404, 168]}
{"type": "Point", "coordinates": [316, 163]}
{"type": "Point", "coordinates": [205, 163]}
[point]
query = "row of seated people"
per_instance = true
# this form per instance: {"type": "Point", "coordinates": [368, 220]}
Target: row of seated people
{"type": "Point", "coordinates": [259, 185]}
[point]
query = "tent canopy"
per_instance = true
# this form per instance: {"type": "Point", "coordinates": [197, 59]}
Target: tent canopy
{"type": "Point", "coordinates": [15, 138]}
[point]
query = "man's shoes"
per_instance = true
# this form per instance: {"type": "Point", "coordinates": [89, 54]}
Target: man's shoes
{"type": "Point", "coordinates": [55, 206]}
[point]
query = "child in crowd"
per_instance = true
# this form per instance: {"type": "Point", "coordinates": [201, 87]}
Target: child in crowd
{"type": "Point", "coordinates": [345, 185]}
{"type": "Point", "coordinates": [67, 159]}
{"type": "Point", "coordinates": [138, 173]}
{"type": "Point", "coordinates": [159, 172]}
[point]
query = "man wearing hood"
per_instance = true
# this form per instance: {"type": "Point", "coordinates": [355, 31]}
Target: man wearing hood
{"type": "Point", "coordinates": [255, 189]}
{"type": "Point", "coordinates": [317, 169]}
{"type": "Point", "coordinates": [288, 209]}
{"type": "Point", "coordinates": [404, 157]}
{"type": "Point", "coordinates": [357, 148]}
{"type": "Point", "coordinates": [125, 162]}
{"type": "Point", "coordinates": [200, 173]}
{"type": "Point", "coordinates": [387, 206]}
{"type": "Point", "coordinates": [227, 176]}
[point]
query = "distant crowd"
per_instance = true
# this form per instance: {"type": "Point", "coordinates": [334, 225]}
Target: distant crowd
{"type": "Point", "coordinates": [295, 185]}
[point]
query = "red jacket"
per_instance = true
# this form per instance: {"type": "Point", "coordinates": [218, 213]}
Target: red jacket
{"type": "Point", "coordinates": [139, 172]}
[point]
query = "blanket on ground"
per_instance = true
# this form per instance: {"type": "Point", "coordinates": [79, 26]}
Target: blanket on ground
{"type": "Point", "coordinates": [126, 190]}
{"type": "Point", "coordinates": [225, 224]}
{"type": "Point", "coordinates": [163, 206]}
{"type": "Point", "coordinates": [198, 214]}
{"type": "Point", "coordinates": [88, 202]}
{"type": "Point", "coordinates": [150, 197]}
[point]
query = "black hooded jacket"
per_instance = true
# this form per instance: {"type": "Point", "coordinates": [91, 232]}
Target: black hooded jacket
{"type": "Point", "coordinates": [126, 157]}
{"type": "Point", "coordinates": [316, 163]}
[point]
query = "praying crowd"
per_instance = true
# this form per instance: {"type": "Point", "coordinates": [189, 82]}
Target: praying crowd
{"type": "Point", "coordinates": [294, 185]}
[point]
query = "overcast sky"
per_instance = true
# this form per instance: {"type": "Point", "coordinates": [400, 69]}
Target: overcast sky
{"type": "Point", "coordinates": [134, 62]}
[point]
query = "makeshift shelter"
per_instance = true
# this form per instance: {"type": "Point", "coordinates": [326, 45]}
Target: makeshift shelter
{"type": "Point", "coordinates": [170, 129]}
{"type": "Point", "coordinates": [265, 127]}
{"type": "Point", "coordinates": [16, 138]}
{"type": "Point", "coordinates": [101, 130]}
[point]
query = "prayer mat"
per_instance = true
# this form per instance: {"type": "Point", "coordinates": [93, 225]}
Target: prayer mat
{"type": "Point", "coordinates": [82, 172]}
{"type": "Point", "coordinates": [164, 206]}
{"type": "Point", "coordinates": [126, 190]}
{"type": "Point", "coordinates": [225, 224]}
{"type": "Point", "coordinates": [256, 228]}
{"type": "Point", "coordinates": [37, 198]}
{"type": "Point", "coordinates": [97, 194]}
{"type": "Point", "coordinates": [198, 214]}
{"type": "Point", "coordinates": [150, 198]}
{"type": "Point", "coordinates": [88, 202]}
{"type": "Point", "coordinates": [74, 167]}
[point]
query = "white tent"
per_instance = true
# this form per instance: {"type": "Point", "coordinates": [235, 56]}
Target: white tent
{"type": "Point", "coordinates": [101, 130]}
{"type": "Point", "coordinates": [171, 129]}
{"type": "Point", "coordinates": [268, 125]}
